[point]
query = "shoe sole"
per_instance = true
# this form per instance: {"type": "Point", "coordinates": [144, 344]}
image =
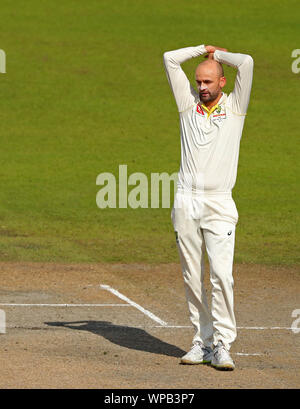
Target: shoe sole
{"type": "Point", "coordinates": [224, 367]}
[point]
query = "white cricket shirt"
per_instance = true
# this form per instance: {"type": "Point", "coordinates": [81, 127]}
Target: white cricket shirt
{"type": "Point", "coordinates": [209, 143]}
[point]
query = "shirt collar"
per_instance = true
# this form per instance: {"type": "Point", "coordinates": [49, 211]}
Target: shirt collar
{"type": "Point", "coordinates": [210, 111]}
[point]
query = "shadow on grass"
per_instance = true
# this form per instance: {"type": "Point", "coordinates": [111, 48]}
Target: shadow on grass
{"type": "Point", "coordinates": [128, 337]}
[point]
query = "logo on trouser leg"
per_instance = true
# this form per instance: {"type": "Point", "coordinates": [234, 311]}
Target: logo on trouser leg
{"type": "Point", "coordinates": [229, 233]}
{"type": "Point", "coordinates": [176, 237]}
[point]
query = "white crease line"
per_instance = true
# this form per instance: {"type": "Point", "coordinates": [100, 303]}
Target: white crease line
{"type": "Point", "coordinates": [137, 306]}
{"type": "Point", "coordinates": [248, 328]}
{"type": "Point", "coordinates": [130, 303]}
{"type": "Point", "coordinates": [265, 328]}
{"type": "Point", "coordinates": [244, 354]}
{"type": "Point", "coordinates": [62, 305]}
{"type": "Point", "coordinates": [173, 326]}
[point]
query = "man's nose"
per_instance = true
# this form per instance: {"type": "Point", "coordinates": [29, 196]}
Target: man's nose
{"type": "Point", "coordinates": [203, 87]}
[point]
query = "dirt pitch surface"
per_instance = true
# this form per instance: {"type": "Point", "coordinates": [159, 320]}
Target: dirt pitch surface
{"type": "Point", "coordinates": [61, 329]}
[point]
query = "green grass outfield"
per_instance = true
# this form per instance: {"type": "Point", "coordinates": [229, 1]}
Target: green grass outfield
{"type": "Point", "coordinates": [85, 91]}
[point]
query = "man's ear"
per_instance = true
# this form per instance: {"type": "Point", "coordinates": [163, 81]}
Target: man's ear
{"type": "Point", "coordinates": [222, 82]}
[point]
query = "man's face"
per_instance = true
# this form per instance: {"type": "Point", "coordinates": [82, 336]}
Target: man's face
{"type": "Point", "coordinates": [209, 81]}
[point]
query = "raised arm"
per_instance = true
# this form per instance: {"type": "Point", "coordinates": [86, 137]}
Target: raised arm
{"type": "Point", "coordinates": [185, 95]}
{"type": "Point", "coordinates": [243, 81]}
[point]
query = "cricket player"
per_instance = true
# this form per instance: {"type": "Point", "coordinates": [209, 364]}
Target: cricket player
{"type": "Point", "coordinates": [204, 214]}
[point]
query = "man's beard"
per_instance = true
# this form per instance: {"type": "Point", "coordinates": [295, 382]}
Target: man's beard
{"type": "Point", "coordinates": [208, 96]}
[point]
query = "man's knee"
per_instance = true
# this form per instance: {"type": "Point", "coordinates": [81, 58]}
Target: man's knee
{"type": "Point", "coordinates": [221, 274]}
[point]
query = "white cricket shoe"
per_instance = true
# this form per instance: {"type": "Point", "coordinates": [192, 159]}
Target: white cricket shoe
{"type": "Point", "coordinates": [221, 358]}
{"type": "Point", "coordinates": [199, 354]}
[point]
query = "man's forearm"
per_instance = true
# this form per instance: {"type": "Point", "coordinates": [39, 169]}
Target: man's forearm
{"type": "Point", "coordinates": [180, 85]}
{"type": "Point", "coordinates": [232, 59]}
{"type": "Point", "coordinates": [243, 81]}
{"type": "Point", "coordinates": [177, 57]}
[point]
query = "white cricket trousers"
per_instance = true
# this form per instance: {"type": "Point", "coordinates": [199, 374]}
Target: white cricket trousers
{"type": "Point", "coordinates": [207, 222]}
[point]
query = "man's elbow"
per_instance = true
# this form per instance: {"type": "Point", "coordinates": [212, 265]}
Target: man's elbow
{"type": "Point", "coordinates": [169, 62]}
{"type": "Point", "coordinates": [248, 60]}
{"type": "Point", "coordinates": [167, 57]}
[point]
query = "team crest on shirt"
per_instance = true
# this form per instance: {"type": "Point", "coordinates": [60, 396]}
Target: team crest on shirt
{"type": "Point", "coordinates": [219, 114]}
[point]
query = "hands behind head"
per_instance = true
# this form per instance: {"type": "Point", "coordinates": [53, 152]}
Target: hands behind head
{"type": "Point", "coordinates": [211, 49]}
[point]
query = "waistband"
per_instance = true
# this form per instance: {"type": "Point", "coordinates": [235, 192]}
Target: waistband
{"type": "Point", "coordinates": [208, 193]}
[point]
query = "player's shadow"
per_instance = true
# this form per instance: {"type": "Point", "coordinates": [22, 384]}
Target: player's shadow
{"type": "Point", "coordinates": [128, 337]}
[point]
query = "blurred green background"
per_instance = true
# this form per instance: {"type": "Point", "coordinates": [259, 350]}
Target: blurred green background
{"type": "Point", "coordinates": [85, 91]}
